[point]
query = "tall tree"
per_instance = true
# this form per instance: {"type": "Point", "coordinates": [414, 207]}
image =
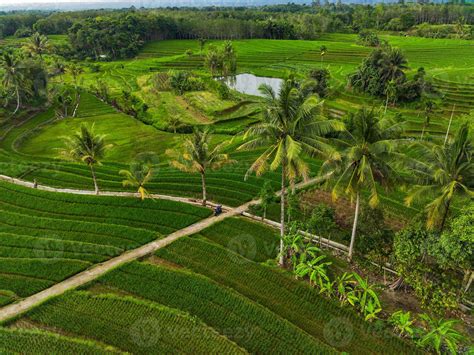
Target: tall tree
{"type": "Point", "coordinates": [291, 126]}
{"type": "Point", "coordinates": [38, 44]}
{"type": "Point", "coordinates": [443, 172]}
{"type": "Point", "coordinates": [390, 93]}
{"type": "Point", "coordinates": [202, 43]}
{"type": "Point", "coordinates": [197, 156]}
{"type": "Point", "coordinates": [87, 147]}
{"type": "Point", "coordinates": [322, 52]}
{"type": "Point", "coordinates": [58, 68]}
{"type": "Point", "coordinates": [75, 71]}
{"type": "Point", "coordinates": [139, 174]}
{"type": "Point", "coordinates": [393, 64]}
{"type": "Point", "coordinates": [13, 77]}
{"type": "Point", "coordinates": [367, 157]}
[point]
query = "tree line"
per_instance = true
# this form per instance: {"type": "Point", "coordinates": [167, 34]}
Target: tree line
{"type": "Point", "coordinates": [120, 33]}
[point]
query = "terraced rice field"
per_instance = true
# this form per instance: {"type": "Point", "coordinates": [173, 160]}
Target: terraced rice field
{"type": "Point", "coordinates": [125, 322]}
{"type": "Point", "coordinates": [276, 58]}
{"type": "Point", "coordinates": [13, 341]}
{"type": "Point", "coordinates": [450, 75]}
{"type": "Point", "coordinates": [47, 237]}
{"type": "Point", "coordinates": [30, 151]}
{"type": "Point", "coordinates": [216, 279]}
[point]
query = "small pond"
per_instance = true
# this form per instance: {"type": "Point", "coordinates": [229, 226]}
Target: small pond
{"type": "Point", "coordinates": [249, 83]}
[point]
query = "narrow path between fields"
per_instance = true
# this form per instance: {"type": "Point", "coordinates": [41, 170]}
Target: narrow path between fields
{"type": "Point", "coordinates": [16, 309]}
{"type": "Point", "coordinates": [193, 201]}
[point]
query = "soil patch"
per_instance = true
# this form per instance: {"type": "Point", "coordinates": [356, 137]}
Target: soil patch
{"type": "Point", "coordinates": [195, 113]}
{"type": "Point", "coordinates": [162, 262]}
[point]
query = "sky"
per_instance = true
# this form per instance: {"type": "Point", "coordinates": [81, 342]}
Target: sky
{"type": "Point", "coordinates": [21, 2]}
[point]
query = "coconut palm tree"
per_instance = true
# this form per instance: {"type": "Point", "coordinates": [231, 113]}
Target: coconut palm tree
{"type": "Point", "coordinates": [442, 173]}
{"type": "Point", "coordinates": [138, 176]}
{"type": "Point", "coordinates": [75, 70]}
{"type": "Point", "coordinates": [393, 65]}
{"type": "Point", "coordinates": [368, 148]}
{"type": "Point", "coordinates": [58, 68]}
{"type": "Point", "coordinates": [322, 52]}
{"type": "Point", "coordinates": [390, 93]}
{"type": "Point", "coordinates": [202, 43]}
{"type": "Point", "coordinates": [198, 157]}
{"type": "Point", "coordinates": [87, 147]}
{"type": "Point", "coordinates": [13, 78]}
{"type": "Point", "coordinates": [428, 110]}
{"type": "Point", "coordinates": [291, 125]}
{"type": "Point", "coordinates": [38, 44]}
{"type": "Point", "coordinates": [174, 123]}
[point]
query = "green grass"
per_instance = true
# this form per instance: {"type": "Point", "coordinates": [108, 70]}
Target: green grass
{"type": "Point", "coordinates": [251, 239]}
{"type": "Point", "coordinates": [292, 300]}
{"type": "Point", "coordinates": [248, 324]}
{"type": "Point", "coordinates": [219, 297]}
{"type": "Point", "coordinates": [129, 324]}
{"type": "Point", "coordinates": [276, 58]}
{"type": "Point", "coordinates": [127, 135]}
{"type": "Point", "coordinates": [46, 237]}
{"type": "Point", "coordinates": [208, 102]}
{"type": "Point", "coordinates": [29, 152]}
{"type": "Point", "coordinates": [16, 341]}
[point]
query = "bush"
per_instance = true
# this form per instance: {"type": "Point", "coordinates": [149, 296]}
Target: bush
{"type": "Point", "coordinates": [318, 82]}
{"type": "Point", "coordinates": [23, 32]}
{"type": "Point", "coordinates": [223, 91]}
{"type": "Point", "coordinates": [375, 239]}
{"type": "Point", "coordinates": [435, 286]}
{"type": "Point", "coordinates": [368, 38]}
{"type": "Point", "coordinates": [183, 81]}
{"type": "Point", "coordinates": [322, 220]}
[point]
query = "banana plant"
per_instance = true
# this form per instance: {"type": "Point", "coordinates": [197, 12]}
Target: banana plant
{"type": "Point", "coordinates": [403, 323]}
{"type": "Point", "coordinates": [327, 288]}
{"type": "Point", "coordinates": [316, 269]}
{"type": "Point", "coordinates": [293, 246]}
{"type": "Point", "coordinates": [440, 335]}
{"type": "Point", "coordinates": [308, 252]}
{"type": "Point", "coordinates": [371, 310]}
{"type": "Point", "coordinates": [363, 293]}
{"type": "Point", "coordinates": [344, 284]}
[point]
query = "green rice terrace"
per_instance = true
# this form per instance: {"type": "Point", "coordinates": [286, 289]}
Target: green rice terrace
{"type": "Point", "coordinates": [272, 180]}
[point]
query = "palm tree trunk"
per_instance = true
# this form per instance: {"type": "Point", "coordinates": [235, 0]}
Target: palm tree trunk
{"type": "Point", "coordinates": [78, 100]}
{"type": "Point", "coordinates": [282, 213]}
{"type": "Point", "coordinates": [445, 215]}
{"type": "Point", "coordinates": [354, 228]}
{"type": "Point", "coordinates": [17, 101]}
{"type": "Point", "coordinates": [96, 187]}
{"type": "Point", "coordinates": [204, 192]}
{"type": "Point", "coordinates": [469, 276]}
